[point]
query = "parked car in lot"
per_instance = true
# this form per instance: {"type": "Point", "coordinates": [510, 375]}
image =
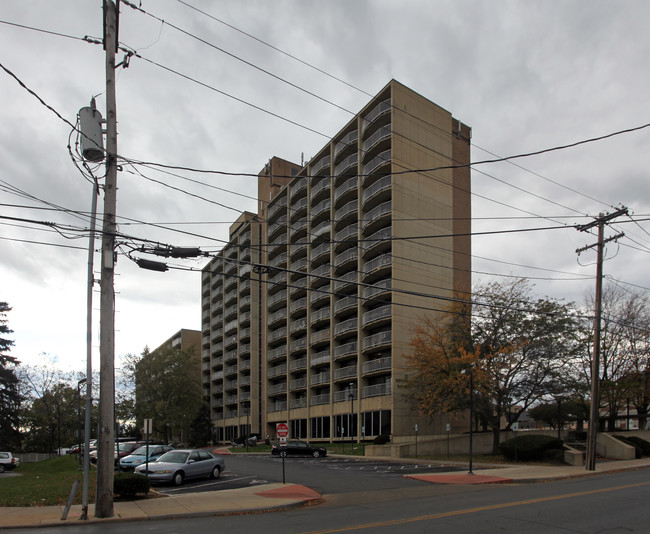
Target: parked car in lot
{"type": "Point", "coordinates": [8, 462]}
{"type": "Point", "coordinates": [301, 448]}
{"type": "Point", "coordinates": [121, 450]}
{"type": "Point", "coordinates": [181, 464]}
{"type": "Point", "coordinates": [139, 455]}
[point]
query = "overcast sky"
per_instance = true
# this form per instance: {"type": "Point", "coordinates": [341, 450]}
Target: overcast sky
{"type": "Point", "coordinates": [525, 75]}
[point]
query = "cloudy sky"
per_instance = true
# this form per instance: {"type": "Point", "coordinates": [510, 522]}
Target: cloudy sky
{"type": "Point", "coordinates": [208, 93]}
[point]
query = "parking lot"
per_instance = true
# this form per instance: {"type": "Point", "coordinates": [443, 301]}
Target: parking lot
{"type": "Point", "coordinates": [326, 475]}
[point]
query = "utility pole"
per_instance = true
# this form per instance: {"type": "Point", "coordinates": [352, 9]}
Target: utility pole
{"type": "Point", "coordinates": [106, 438]}
{"type": "Point", "coordinates": [595, 362]}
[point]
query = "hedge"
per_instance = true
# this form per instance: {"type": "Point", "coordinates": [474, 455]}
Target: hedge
{"type": "Point", "coordinates": [130, 484]}
{"type": "Point", "coordinates": [530, 447]}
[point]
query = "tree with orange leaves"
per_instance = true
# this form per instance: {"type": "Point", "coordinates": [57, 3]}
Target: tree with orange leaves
{"type": "Point", "coordinates": [516, 347]}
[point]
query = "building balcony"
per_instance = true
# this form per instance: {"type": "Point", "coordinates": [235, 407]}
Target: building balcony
{"type": "Point", "coordinates": [376, 317]}
{"type": "Point", "coordinates": [276, 318]}
{"type": "Point", "coordinates": [376, 192]}
{"type": "Point", "coordinates": [298, 229]}
{"type": "Point", "coordinates": [345, 350]}
{"type": "Point", "coordinates": [376, 390]}
{"type": "Point", "coordinates": [380, 365]}
{"type": "Point", "coordinates": [276, 228]}
{"type": "Point", "coordinates": [318, 400]}
{"type": "Point", "coordinates": [320, 276]}
{"type": "Point", "coordinates": [300, 402]}
{"type": "Point", "coordinates": [321, 210]}
{"type": "Point", "coordinates": [277, 336]}
{"type": "Point", "coordinates": [298, 326]}
{"type": "Point", "coordinates": [380, 164]}
{"type": "Point", "coordinates": [277, 208]}
{"type": "Point", "coordinates": [298, 189]}
{"type": "Point", "coordinates": [231, 327]}
{"type": "Point", "coordinates": [379, 340]}
{"type": "Point", "coordinates": [348, 166]}
{"type": "Point", "coordinates": [345, 283]}
{"type": "Point", "coordinates": [298, 250]}
{"type": "Point", "coordinates": [345, 328]}
{"type": "Point", "coordinates": [319, 254]}
{"type": "Point", "coordinates": [277, 406]}
{"type": "Point", "coordinates": [319, 317]}
{"type": "Point", "coordinates": [321, 230]}
{"type": "Point", "coordinates": [230, 371]}
{"type": "Point", "coordinates": [278, 300]}
{"type": "Point", "coordinates": [345, 373]}
{"type": "Point", "coordinates": [319, 298]}
{"type": "Point", "coordinates": [376, 218]}
{"type": "Point", "coordinates": [346, 214]}
{"type": "Point", "coordinates": [347, 144]}
{"type": "Point", "coordinates": [320, 378]}
{"type": "Point", "coordinates": [298, 307]}
{"type": "Point", "coordinates": [298, 384]}
{"type": "Point", "coordinates": [346, 191]}
{"type": "Point", "coordinates": [346, 238]}
{"type": "Point", "coordinates": [380, 111]}
{"type": "Point", "coordinates": [298, 287]}
{"type": "Point", "coordinates": [320, 165]}
{"type": "Point", "coordinates": [379, 291]}
{"type": "Point", "coordinates": [298, 345]}
{"type": "Point", "coordinates": [377, 268]}
{"type": "Point", "coordinates": [298, 365]}
{"type": "Point", "coordinates": [345, 305]}
{"type": "Point", "coordinates": [346, 260]}
{"type": "Point", "coordinates": [319, 337]}
{"type": "Point", "coordinates": [278, 370]}
{"type": "Point", "coordinates": [276, 282]}
{"type": "Point", "coordinates": [298, 209]}
{"type": "Point", "coordinates": [320, 188]}
{"type": "Point", "coordinates": [277, 389]}
{"type": "Point", "coordinates": [279, 261]}
{"type": "Point", "coordinates": [379, 140]}
{"type": "Point", "coordinates": [277, 353]}
{"type": "Point", "coordinates": [318, 359]}
{"type": "Point", "coordinates": [377, 243]}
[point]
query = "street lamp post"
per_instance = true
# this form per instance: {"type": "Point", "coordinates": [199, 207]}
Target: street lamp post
{"type": "Point", "coordinates": [82, 381]}
{"type": "Point", "coordinates": [471, 414]}
{"type": "Point", "coordinates": [351, 394]}
{"type": "Point", "coordinates": [246, 406]}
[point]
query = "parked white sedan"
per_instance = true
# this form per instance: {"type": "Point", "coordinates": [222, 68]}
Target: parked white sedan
{"type": "Point", "coordinates": [181, 464]}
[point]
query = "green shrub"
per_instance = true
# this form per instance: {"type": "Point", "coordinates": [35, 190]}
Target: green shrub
{"type": "Point", "coordinates": [381, 439]}
{"type": "Point", "coordinates": [638, 450]}
{"type": "Point", "coordinates": [130, 484]}
{"type": "Point", "coordinates": [529, 447]}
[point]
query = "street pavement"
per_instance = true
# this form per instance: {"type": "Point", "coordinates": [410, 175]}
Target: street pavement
{"type": "Point", "coordinates": [273, 497]}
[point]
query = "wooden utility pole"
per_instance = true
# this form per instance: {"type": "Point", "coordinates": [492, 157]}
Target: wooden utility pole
{"type": "Point", "coordinates": [590, 464]}
{"type": "Point", "coordinates": [106, 437]}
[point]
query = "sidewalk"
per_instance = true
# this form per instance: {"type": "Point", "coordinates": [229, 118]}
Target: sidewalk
{"type": "Point", "coordinates": [271, 497]}
{"type": "Point", "coordinates": [267, 497]}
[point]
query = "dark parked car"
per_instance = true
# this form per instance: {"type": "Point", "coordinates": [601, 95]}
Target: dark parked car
{"type": "Point", "coordinates": [178, 465]}
{"type": "Point", "coordinates": [299, 448]}
{"type": "Point", "coordinates": [8, 462]}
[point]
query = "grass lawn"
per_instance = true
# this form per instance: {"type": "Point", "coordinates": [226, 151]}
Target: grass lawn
{"type": "Point", "coordinates": [45, 483]}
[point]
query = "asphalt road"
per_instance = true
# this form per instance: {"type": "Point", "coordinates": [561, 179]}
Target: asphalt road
{"type": "Point", "coordinates": [325, 475]}
{"type": "Point", "coordinates": [603, 504]}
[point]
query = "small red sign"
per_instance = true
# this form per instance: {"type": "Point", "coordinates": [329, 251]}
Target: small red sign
{"type": "Point", "coordinates": [282, 430]}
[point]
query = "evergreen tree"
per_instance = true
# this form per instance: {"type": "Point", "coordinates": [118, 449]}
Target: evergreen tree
{"type": "Point", "coordinates": [9, 390]}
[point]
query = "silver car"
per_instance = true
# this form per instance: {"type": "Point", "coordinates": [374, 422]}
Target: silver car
{"type": "Point", "coordinates": [178, 465]}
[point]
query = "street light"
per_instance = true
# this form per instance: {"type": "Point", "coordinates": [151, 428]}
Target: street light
{"type": "Point", "coordinates": [82, 381]}
{"type": "Point", "coordinates": [246, 405]}
{"type": "Point", "coordinates": [351, 395]}
{"type": "Point", "coordinates": [471, 413]}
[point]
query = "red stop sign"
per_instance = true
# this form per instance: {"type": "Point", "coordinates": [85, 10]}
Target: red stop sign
{"type": "Point", "coordinates": [282, 430]}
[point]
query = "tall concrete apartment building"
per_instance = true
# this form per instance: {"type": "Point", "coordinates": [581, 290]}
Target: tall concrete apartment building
{"type": "Point", "coordinates": [307, 313]}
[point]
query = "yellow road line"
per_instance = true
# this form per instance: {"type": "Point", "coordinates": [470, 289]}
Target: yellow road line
{"type": "Point", "coordinates": [474, 510]}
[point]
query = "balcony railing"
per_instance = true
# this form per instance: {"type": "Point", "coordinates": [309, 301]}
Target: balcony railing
{"type": "Point", "coordinates": [345, 142]}
{"type": "Point", "coordinates": [380, 364]}
{"type": "Point", "coordinates": [383, 133]}
{"type": "Point", "coordinates": [345, 350]}
{"type": "Point", "coordinates": [380, 339]}
{"type": "Point", "coordinates": [376, 162]}
{"type": "Point", "coordinates": [377, 390]}
{"type": "Point", "coordinates": [380, 109]}
{"type": "Point", "coordinates": [345, 372]}
{"type": "Point", "coordinates": [383, 312]}
{"type": "Point", "coordinates": [317, 400]}
{"type": "Point", "coordinates": [320, 378]}
{"type": "Point", "coordinates": [320, 165]}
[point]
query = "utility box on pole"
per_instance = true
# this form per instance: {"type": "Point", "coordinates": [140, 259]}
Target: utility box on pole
{"type": "Point", "coordinates": [92, 140]}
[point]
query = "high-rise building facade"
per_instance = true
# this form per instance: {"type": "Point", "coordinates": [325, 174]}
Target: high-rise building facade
{"type": "Point", "coordinates": [345, 256]}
